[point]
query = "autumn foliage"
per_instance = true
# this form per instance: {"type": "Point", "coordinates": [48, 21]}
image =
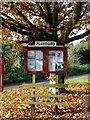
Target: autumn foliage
{"type": "Point", "coordinates": [11, 106]}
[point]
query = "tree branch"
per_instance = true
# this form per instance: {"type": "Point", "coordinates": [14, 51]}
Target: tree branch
{"type": "Point", "coordinates": [26, 19]}
{"type": "Point", "coordinates": [16, 29]}
{"type": "Point", "coordinates": [71, 24]}
{"type": "Point", "coordinates": [77, 13]}
{"type": "Point", "coordinates": [78, 37]}
{"type": "Point", "coordinates": [49, 14]}
{"type": "Point", "coordinates": [32, 10]}
{"type": "Point", "coordinates": [17, 24]}
{"type": "Point", "coordinates": [42, 13]}
{"type": "Point", "coordinates": [61, 19]}
{"type": "Point", "coordinates": [55, 15]}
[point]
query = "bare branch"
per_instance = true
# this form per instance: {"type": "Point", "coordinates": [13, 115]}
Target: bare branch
{"type": "Point", "coordinates": [13, 22]}
{"type": "Point", "coordinates": [49, 14]}
{"type": "Point", "coordinates": [42, 13]}
{"type": "Point", "coordinates": [15, 28]}
{"type": "Point", "coordinates": [26, 19]}
{"type": "Point", "coordinates": [66, 14]}
{"type": "Point", "coordinates": [78, 37]}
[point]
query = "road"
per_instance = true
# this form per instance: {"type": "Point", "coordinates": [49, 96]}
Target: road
{"type": "Point", "coordinates": [44, 81]}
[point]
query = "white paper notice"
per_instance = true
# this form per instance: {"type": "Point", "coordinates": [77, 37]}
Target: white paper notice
{"type": "Point", "coordinates": [56, 61]}
{"type": "Point", "coordinates": [39, 60]}
{"type": "Point", "coordinates": [51, 61]}
{"type": "Point", "coordinates": [39, 65]}
{"type": "Point", "coordinates": [35, 60]}
{"type": "Point", "coordinates": [39, 54]}
{"type": "Point", "coordinates": [31, 64]}
{"type": "Point", "coordinates": [59, 56]}
{"type": "Point", "coordinates": [31, 53]}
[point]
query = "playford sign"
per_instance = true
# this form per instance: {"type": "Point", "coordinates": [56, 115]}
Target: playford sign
{"type": "Point", "coordinates": [45, 43]}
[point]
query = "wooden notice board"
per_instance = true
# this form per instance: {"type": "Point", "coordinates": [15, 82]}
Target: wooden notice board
{"type": "Point", "coordinates": [45, 59]}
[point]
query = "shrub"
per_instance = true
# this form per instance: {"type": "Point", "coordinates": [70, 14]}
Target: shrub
{"type": "Point", "coordinates": [79, 54]}
{"type": "Point", "coordinates": [78, 69]}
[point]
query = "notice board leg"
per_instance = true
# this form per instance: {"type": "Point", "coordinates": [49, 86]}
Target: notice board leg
{"type": "Point", "coordinates": [56, 107]}
{"type": "Point", "coordinates": [56, 99]}
{"type": "Point", "coordinates": [61, 80]}
{"type": "Point", "coordinates": [32, 109]}
{"type": "Point", "coordinates": [33, 100]}
{"type": "Point", "coordinates": [33, 93]}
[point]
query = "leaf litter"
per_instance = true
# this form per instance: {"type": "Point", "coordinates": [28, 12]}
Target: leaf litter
{"type": "Point", "coordinates": [11, 106]}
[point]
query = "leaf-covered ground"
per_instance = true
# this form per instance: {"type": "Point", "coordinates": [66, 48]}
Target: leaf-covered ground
{"type": "Point", "coordinates": [11, 106]}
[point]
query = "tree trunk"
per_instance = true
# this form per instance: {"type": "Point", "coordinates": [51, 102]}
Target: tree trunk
{"type": "Point", "coordinates": [53, 78]}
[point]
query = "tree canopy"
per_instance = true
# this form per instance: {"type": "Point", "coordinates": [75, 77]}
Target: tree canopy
{"type": "Point", "coordinates": [58, 21]}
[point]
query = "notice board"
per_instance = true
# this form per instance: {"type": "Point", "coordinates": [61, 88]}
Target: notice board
{"type": "Point", "coordinates": [45, 59]}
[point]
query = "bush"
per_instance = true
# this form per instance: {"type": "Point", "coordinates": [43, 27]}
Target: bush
{"type": "Point", "coordinates": [16, 75]}
{"type": "Point", "coordinates": [79, 54]}
{"type": "Point", "coordinates": [78, 69]}
{"type": "Point", "coordinates": [85, 56]}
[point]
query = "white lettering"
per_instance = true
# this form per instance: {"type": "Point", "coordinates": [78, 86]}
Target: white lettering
{"type": "Point", "coordinates": [45, 43]}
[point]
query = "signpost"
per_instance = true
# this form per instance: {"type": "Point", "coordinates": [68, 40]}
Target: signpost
{"type": "Point", "coordinates": [45, 57]}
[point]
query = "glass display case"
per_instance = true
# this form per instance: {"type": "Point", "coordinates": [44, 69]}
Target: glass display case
{"type": "Point", "coordinates": [45, 60]}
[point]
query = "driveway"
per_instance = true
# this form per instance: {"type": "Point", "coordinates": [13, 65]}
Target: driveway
{"type": "Point", "coordinates": [43, 80]}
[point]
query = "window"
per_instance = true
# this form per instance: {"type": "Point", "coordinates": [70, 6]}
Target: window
{"type": "Point", "coordinates": [35, 60]}
{"type": "Point", "coordinates": [56, 61]}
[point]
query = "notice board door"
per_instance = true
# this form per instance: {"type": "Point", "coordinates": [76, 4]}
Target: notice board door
{"type": "Point", "coordinates": [35, 60]}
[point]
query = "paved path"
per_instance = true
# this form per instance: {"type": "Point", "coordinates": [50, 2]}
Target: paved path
{"type": "Point", "coordinates": [43, 80]}
{"type": "Point", "coordinates": [76, 76]}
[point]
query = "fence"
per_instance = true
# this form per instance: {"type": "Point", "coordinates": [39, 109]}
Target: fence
{"type": "Point", "coordinates": [55, 96]}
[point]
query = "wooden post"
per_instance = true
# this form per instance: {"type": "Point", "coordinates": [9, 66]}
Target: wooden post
{"type": "Point", "coordinates": [56, 99]}
{"type": "Point", "coordinates": [33, 92]}
{"type": "Point", "coordinates": [61, 80]}
{"type": "Point", "coordinates": [87, 107]}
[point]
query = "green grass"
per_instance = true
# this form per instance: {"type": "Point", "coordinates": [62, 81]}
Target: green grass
{"type": "Point", "coordinates": [82, 79]}
{"type": "Point", "coordinates": [79, 85]}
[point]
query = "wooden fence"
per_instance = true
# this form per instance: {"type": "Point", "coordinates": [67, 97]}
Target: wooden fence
{"type": "Point", "coordinates": [56, 96]}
